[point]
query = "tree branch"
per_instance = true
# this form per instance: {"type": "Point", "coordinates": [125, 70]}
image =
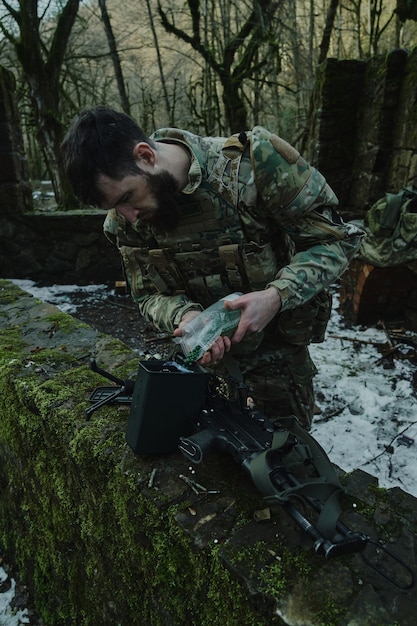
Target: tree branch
{"type": "Point", "coordinates": [193, 41]}
{"type": "Point", "coordinates": [61, 35]}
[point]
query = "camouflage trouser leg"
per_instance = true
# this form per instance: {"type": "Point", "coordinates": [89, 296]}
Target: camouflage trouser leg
{"type": "Point", "coordinates": [280, 380]}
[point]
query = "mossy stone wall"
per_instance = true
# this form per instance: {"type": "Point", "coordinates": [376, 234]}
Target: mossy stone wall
{"type": "Point", "coordinates": [104, 537]}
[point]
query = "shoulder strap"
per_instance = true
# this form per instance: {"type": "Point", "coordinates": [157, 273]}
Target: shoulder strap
{"type": "Point", "coordinates": [236, 145]}
{"type": "Point", "coordinates": [271, 471]}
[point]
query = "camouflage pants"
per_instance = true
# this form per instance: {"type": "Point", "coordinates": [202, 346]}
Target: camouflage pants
{"type": "Point", "coordinates": [280, 380]}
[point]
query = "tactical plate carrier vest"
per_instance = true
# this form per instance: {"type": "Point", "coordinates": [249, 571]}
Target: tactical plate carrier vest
{"type": "Point", "coordinates": [226, 241]}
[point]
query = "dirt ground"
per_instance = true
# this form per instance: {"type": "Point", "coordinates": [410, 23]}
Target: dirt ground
{"type": "Point", "coordinates": [116, 314]}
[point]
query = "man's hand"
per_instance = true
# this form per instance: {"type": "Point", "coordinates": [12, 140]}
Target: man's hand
{"type": "Point", "coordinates": [217, 350]}
{"type": "Point", "coordinates": [257, 309]}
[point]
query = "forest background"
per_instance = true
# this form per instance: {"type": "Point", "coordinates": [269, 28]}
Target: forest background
{"type": "Point", "coordinates": [213, 67]}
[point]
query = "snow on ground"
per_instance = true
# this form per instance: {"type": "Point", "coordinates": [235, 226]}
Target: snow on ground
{"type": "Point", "coordinates": [8, 615]}
{"type": "Point", "coordinates": [369, 410]}
{"type": "Point", "coordinates": [63, 295]}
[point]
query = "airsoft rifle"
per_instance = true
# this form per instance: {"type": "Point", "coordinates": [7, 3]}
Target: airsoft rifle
{"type": "Point", "coordinates": [173, 406]}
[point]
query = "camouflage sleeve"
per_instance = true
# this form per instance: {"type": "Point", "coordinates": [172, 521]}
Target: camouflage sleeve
{"type": "Point", "coordinates": [315, 268]}
{"type": "Point", "coordinates": [166, 312]}
{"type": "Point", "coordinates": [297, 197]}
{"type": "Point", "coordinates": [163, 311]}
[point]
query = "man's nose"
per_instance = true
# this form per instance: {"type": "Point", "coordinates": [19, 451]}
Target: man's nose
{"type": "Point", "coordinates": [130, 214]}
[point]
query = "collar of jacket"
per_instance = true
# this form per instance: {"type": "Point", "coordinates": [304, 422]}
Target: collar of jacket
{"type": "Point", "coordinates": [193, 144]}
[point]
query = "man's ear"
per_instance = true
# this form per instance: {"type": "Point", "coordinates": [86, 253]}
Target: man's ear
{"type": "Point", "coordinates": [144, 154]}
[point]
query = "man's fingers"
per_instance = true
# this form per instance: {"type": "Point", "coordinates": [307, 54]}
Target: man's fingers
{"type": "Point", "coordinates": [217, 351]}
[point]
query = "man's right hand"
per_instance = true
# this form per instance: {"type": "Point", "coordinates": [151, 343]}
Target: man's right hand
{"type": "Point", "coordinates": [217, 350]}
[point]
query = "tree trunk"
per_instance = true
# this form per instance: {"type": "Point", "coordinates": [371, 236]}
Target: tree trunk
{"type": "Point", "coordinates": [325, 42]}
{"type": "Point", "coordinates": [168, 106]}
{"type": "Point", "coordinates": [41, 68]}
{"type": "Point", "coordinates": [234, 106]}
{"type": "Point", "coordinates": [117, 66]}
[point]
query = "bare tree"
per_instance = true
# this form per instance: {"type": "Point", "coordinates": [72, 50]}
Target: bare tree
{"type": "Point", "coordinates": [237, 59]}
{"type": "Point", "coordinates": [114, 54]}
{"type": "Point", "coordinates": [167, 103]}
{"type": "Point", "coordinates": [377, 9]}
{"type": "Point", "coordinates": [328, 27]}
{"type": "Point", "coordinates": [41, 57]}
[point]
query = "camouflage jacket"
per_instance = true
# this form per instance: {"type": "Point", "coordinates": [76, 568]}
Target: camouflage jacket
{"type": "Point", "coordinates": [254, 214]}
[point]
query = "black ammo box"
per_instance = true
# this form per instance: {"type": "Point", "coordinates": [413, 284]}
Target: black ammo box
{"type": "Point", "coordinates": [165, 401]}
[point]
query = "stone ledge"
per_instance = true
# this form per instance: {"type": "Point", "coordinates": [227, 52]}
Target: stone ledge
{"type": "Point", "coordinates": [99, 543]}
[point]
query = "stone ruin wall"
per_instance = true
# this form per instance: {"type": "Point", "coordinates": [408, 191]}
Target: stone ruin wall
{"type": "Point", "coordinates": [363, 137]}
{"type": "Point", "coordinates": [362, 133]}
{"type": "Point", "coordinates": [61, 247]}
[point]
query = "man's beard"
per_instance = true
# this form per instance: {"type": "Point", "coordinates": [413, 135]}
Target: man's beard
{"type": "Point", "coordinates": [164, 188]}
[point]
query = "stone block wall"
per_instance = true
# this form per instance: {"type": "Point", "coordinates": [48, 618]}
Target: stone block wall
{"type": "Point", "coordinates": [66, 247]}
{"type": "Point", "coordinates": [403, 162]}
{"type": "Point", "coordinates": [54, 246]}
{"type": "Point", "coordinates": [331, 139]}
{"type": "Point", "coordinates": [375, 132]}
{"type": "Point", "coordinates": [362, 129]}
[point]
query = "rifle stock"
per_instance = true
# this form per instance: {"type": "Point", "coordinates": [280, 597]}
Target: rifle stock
{"type": "Point", "coordinates": [245, 434]}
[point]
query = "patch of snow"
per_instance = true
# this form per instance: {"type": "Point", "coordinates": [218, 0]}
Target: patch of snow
{"type": "Point", "coordinates": [63, 296]}
{"type": "Point", "coordinates": [9, 616]}
{"type": "Point", "coordinates": [369, 410]}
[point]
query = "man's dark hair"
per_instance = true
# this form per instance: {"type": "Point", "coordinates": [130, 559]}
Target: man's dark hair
{"type": "Point", "coordinates": [100, 141]}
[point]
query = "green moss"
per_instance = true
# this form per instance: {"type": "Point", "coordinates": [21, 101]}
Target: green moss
{"type": "Point", "coordinates": [217, 597]}
{"type": "Point", "coordinates": [10, 344]}
{"type": "Point", "coordinates": [9, 292]}
{"type": "Point", "coordinates": [329, 613]}
{"type": "Point", "coordinates": [286, 569]}
{"type": "Point", "coordinates": [75, 511]}
{"type": "Point", "coordinates": [64, 323]}
{"type": "Point", "coordinates": [79, 514]}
